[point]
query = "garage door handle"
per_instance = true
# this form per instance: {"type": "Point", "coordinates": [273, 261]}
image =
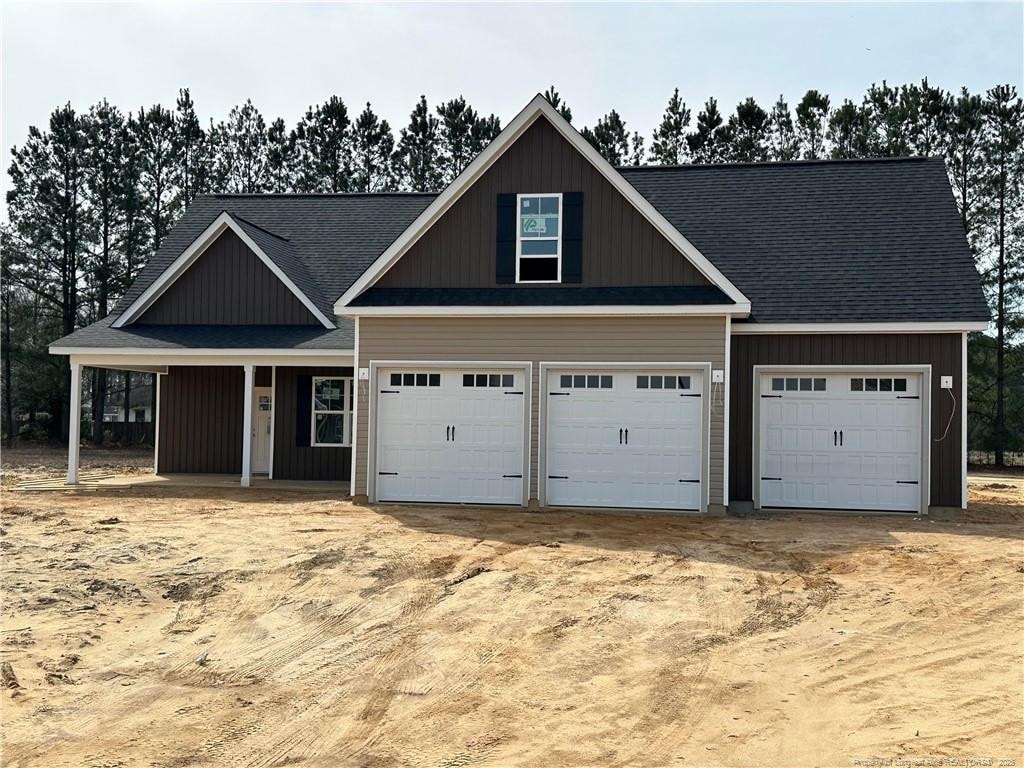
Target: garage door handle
{"type": "Point", "coordinates": [908, 397]}
{"type": "Point", "coordinates": [906, 482]}
{"type": "Point", "coordinates": [558, 477]}
{"type": "Point", "coordinates": [627, 437]}
{"type": "Point", "coordinates": [771, 396]}
{"type": "Point", "coordinates": [390, 392]}
{"type": "Point", "coordinates": [447, 433]}
{"type": "Point", "coordinates": [560, 394]}
{"type": "Point", "coordinates": [519, 476]}
{"type": "Point", "coordinates": [771, 478]}
{"type": "Point", "coordinates": [620, 435]}
{"type": "Point", "coordinates": [840, 438]}
{"type": "Point", "coordinates": [513, 393]}
{"type": "Point", "coordinates": [453, 433]}
{"type": "Point", "coordinates": [692, 481]}
{"type": "Point", "coordinates": [690, 394]}
{"type": "Point", "coordinates": [835, 437]}
{"type": "Point", "coordinates": [387, 473]}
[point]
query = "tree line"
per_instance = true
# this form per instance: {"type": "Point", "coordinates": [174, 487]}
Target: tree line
{"type": "Point", "coordinates": [93, 194]}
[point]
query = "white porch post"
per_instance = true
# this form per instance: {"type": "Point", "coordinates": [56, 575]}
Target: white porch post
{"type": "Point", "coordinates": [74, 422]}
{"type": "Point", "coordinates": [247, 428]}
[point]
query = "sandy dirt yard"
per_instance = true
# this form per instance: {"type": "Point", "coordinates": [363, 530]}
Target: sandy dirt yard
{"type": "Point", "coordinates": [258, 628]}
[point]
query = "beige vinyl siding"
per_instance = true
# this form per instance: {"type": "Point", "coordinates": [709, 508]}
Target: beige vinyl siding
{"type": "Point", "coordinates": [548, 340]}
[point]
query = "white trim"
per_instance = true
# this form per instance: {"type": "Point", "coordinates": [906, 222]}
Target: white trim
{"type": "Point", "coordinates": [355, 413]}
{"type": "Point", "coordinates": [74, 422]}
{"type": "Point", "coordinates": [156, 427]}
{"type": "Point", "coordinates": [605, 310]}
{"type": "Point", "coordinates": [371, 425]}
{"type": "Point", "coordinates": [345, 413]}
{"type": "Point", "coordinates": [705, 368]}
{"type": "Point", "coordinates": [181, 264]}
{"type": "Point", "coordinates": [273, 419]}
{"type": "Point", "coordinates": [950, 327]}
{"type": "Point", "coordinates": [122, 362]}
{"type": "Point", "coordinates": [249, 369]}
{"type": "Point", "coordinates": [519, 238]}
{"type": "Point", "coordinates": [963, 422]}
{"type": "Point", "coordinates": [538, 107]}
{"type": "Point", "coordinates": [925, 371]}
{"type": "Point", "coordinates": [157, 354]}
{"type": "Point", "coordinates": [725, 389]}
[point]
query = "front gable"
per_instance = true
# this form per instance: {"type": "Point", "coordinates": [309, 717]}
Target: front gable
{"type": "Point", "coordinates": [471, 237]}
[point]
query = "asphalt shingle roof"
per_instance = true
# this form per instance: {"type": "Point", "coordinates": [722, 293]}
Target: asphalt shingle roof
{"type": "Point", "coordinates": [813, 241]}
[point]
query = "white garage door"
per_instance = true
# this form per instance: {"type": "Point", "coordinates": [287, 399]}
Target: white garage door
{"type": "Point", "coordinates": [840, 441]}
{"type": "Point", "coordinates": [624, 439]}
{"type": "Point", "coordinates": [450, 435]}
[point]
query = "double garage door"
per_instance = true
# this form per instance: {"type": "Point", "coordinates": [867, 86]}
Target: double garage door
{"type": "Point", "coordinates": [612, 438]}
{"type": "Point", "coordinates": [840, 441]}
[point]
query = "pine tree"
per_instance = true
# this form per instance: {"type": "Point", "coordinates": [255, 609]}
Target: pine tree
{"type": "Point", "coordinates": [610, 137]}
{"type": "Point", "coordinates": [636, 150]}
{"type": "Point", "coordinates": [1004, 158]}
{"type": "Point", "coordinates": [485, 130]}
{"type": "Point", "coordinates": [965, 132]}
{"type": "Point", "coordinates": [323, 148]}
{"type": "Point", "coordinates": [706, 141]}
{"type": "Point", "coordinates": [783, 143]}
{"type": "Point", "coordinates": [280, 152]}
{"type": "Point", "coordinates": [416, 159]}
{"type": "Point", "coordinates": [847, 132]}
{"type": "Point", "coordinates": [892, 116]}
{"type": "Point", "coordinates": [372, 148]}
{"type": "Point", "coordinates": [811, 119]}
{"type": "Point", "coordinates": [455, 137]}
{"type": "Point", "coordinates": [190, 150]}
{"type": "Point", "coordinates": [155, 133]}
{"type": "Point", "coordinates": [242, 150]}
{"type": "Point", "coordinates": [935, 108]}
{"type": "Point", "coordinates": [560, 106]}
{"type": "Point", "coordinates": [668, 145]}
{"type": "Point", "coordinates": [748, 130]}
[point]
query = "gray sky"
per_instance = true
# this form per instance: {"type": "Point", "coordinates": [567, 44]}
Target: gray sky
{"type": "Point", "coordinates": [286, 56]}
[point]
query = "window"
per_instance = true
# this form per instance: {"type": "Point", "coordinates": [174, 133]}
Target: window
{"type": "Point", "coordinates": [802, 384]}
{"type": "Point", "coordinates": [488, 380]}
{"type": "Point", "coordinates": [581, 381]}
{"type": "Point", "coordinates": [662, 382]}
{"type": "Point", "coordinates": [415, 379]}
{"type": "Point", "coordinates": [332, 411]}
{"type": "Point", "coordinates": [878, 385]}
{"type": "Point", "coordinates": [539, 239]}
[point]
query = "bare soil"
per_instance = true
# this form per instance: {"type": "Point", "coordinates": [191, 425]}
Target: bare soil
{"type": "Point", "coordinates": [35, 460]}
{"type": "Point", "coordinates": [257, 628]}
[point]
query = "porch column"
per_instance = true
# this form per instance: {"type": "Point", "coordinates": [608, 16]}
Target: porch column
{"type": "Point", "coordinates": [247, 427]}
{"type": "Point", "coordinates": [74, 422]}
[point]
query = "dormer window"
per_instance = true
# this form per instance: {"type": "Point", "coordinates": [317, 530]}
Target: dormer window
{"type": "Point", "coordinates": [539, 239]}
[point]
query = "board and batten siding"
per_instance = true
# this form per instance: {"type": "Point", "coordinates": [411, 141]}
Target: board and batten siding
{"type": "Point", "coordinates": [294, 462]}
{"type": "Point", "coordinates": [537, 340]}
{"type": "Point", "coordinates": [620, 247]}
{"type": "Point", "coordinates": [200, 418]}
{"type": "Point", "coordinates": [941, 351]}
{"type": "Point", "coordinates": [228, 285]}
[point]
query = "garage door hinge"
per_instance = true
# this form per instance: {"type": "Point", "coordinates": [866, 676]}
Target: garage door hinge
{"type": "Point", "coordinates": [519, 476]}
{"type": "Point", "coordinates": [771, 478]}
{"type": "Point", "coordinates": [689, 481]}
{"type": "Point", "coordinates": [390, 392]}
{"type": "Point", "coordinates": [513, 393]}
{"type": "Point", "coordinates": [558, 477]}
{"type": "Point", "coordinates": [559, 393]}
{"type": "Point", "coordinates": [908, 397]}
{"type": "Point", "coordinates": [688, 394]}
{"type": "Point", "coordinates": [387, 473]}
{"type": "Point", "coordinates": [906, 482]}
{"type": "Point", "coordinates": [771, 396]}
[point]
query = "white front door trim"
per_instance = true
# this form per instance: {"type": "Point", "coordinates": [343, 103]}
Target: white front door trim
{"type": "Point", "coordinates": [547, 367]}
{"type": "Point", "coordinates": [258, 466]}
{"type": "Point", "coordinates": [371, 409]}
{"type": "Point", "coordinates": [925, 372]}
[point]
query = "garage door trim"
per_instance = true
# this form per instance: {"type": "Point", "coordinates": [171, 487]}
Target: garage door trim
{"type": "Point", "coordinates": [525, 367]}
{"type": "Point", "coordinates": [705, 370]}
{"type": "Point", "coordinates": [925, 371]}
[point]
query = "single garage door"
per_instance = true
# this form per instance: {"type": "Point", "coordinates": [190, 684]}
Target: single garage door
{"type": "Point", "coordinates": [840, 441]}
{"type": "Point", "coordinates": [448, 435]}
{"type": "Point", "coordinates": [624, 439]}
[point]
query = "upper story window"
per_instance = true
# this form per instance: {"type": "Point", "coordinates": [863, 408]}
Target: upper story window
{"type": "Point", "coordinates": [539, 239]}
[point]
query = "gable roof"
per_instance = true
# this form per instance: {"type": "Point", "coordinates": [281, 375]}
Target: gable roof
{"type": "Point", "coordinates": [538, 108]}
{"type": "Point", "coordinates": [828, 241]}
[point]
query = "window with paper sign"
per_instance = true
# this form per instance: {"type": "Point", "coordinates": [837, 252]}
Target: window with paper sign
{"type": "Point", "coordinates": [332, 412]}
{"type": "Point", "coordinates": [539, 239]}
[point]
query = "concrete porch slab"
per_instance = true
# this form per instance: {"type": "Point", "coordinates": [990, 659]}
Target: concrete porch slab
{"type": "Point", "coordinates": [91, 481]}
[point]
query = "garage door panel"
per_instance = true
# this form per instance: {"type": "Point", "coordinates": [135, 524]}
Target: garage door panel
{"type": "Point", "coordinates": [840, 441]}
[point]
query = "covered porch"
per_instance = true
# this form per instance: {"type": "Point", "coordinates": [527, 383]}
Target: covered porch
{"type": "Point", "coordinates": [235, 416]}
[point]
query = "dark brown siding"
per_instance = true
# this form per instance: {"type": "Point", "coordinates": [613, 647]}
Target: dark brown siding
{"type": "Point", "coordinates": [201, 419]}
{"type": "Point", "coordinates": [228, 285]}
{"type": "Point", "coordinates": [307, 463]}
{"type": "Point", "coordinates": [941, 351]}
{"type": "Point", "coordinates": [620, 247]}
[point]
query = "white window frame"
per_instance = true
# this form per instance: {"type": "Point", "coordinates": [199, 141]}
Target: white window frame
{"type": "Point", "coordinates": [345, 412]}
{"type": "Point", "coordinates": [558, 239]}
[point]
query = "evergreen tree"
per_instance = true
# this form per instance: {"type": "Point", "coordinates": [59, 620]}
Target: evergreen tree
{"type": "Point", "coordinates": [280, 156]}
{"type": "Point", "coordinates": [935, 108]}
{"type": "Point", "coordinates": [783, 143]}
{"type": "Point", "coordinates": [706, 141]}
{"type": "Point", "coordinates": [748, 130]}
{"type": "Point", "coordinates": [891, 114]}
{"type": "Point", "coordinates": [847, 131]}
{"type": "Point", "coordinates": [372, 148]}
{"type": "Point", "coordinates": [155, 133]}
{"type": "Point", "coordinates": [323, 148]}
{"type": "Point", "coordinates": [964, 155]}
{"type": "Point", "coordinates": [610, 138]}
{"type": "Point", "coordinates": [456, 145]}
{"type": "Point", "coordinates": [636, 150]}
{"type": "Point", "coordinates": [485, 130]}
{"type": "Point", "coordinates": [190, 150]}
{"type": "Point", "coordinates": [560, 106]}
{"type": "Point", "coordinates": [416, 159]}
{"type": "Point", "coordinates": [668, 145]}
{"type": "Point", "coordinates": [811, 119]}
{"type": "Point", "coordinates": [242, 150]}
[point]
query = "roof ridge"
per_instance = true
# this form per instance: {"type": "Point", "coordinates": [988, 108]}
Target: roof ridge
{"type": "Point", "coordinates": [778, 163]}
{"type": "Point", "coordinates": [314, 194]}
{"type": "Point", "coordinates": [257, 226]}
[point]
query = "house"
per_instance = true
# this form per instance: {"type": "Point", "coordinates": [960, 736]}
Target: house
{"type": "Point", "coordinates": [552, 331]}
{"type": "Point", "coordinates": [140, 405]}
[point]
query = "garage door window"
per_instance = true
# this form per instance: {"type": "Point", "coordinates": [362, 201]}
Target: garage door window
{"type": "Point", "coordinates": [663, 382]}
{"type": "Point", "coordinates": [872, 384]}
{"type": "Point", "coordinates": [415, 379]}
{"type": "Point", "coordinates": [584, 381]}
{"type": "Point", "coordinates": [801, 384]}
{"type": "Point", "coordinates": [488, 380]}
{"type": "Point", "coordinates": [332, 412]}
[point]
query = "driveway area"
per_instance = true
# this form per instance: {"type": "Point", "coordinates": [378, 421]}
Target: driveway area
{"type": "Point", "coordinates": [218, 627]}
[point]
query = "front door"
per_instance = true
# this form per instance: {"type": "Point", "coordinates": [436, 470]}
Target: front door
{"type": "Point", "coordinates": [262, 413]}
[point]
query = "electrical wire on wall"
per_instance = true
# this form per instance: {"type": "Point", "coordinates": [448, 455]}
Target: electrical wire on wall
{"type": "Point", "coordinates": [945, 432]}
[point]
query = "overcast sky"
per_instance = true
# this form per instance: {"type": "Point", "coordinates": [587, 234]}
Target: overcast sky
{"type": "Point", "coordinates": [286, 56]}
